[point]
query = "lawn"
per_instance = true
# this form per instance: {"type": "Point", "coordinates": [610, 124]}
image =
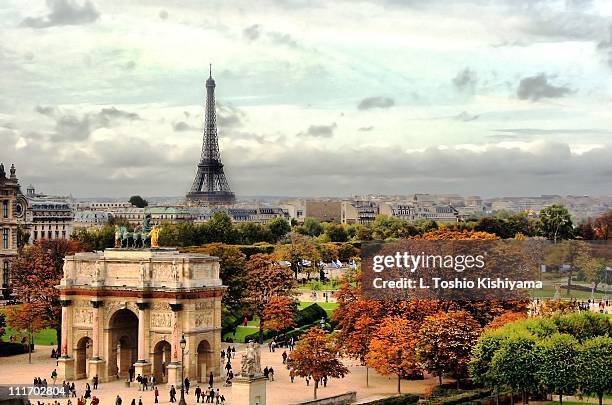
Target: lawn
{"type": "Point", "coordinates": [44, 337]}
{"type": "Point", "coordinates": [329, 307]}
{"type": "Point", "coordinates": [549, 292]}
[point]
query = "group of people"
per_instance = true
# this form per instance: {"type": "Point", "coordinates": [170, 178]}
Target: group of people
{"type": "Point", "coordinates": [273, 344]}
{"type": "Point", "coordinates": [146, 383]}
{"type": "Point", "coordinates": [209, 396]}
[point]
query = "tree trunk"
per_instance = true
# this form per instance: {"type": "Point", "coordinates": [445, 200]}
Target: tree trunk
{"type": "Point", "coordinates": [316, 385]}
{"type": "Point", "coordinates": [523, 396]}
{"type": "Point", "coordinates": [399, 384]}
{"type": "Point", "coordinates": [440, 379]}
{"type": "Point", "coordinates": [600, 395]}
{"type": "Point", "coordinates": [560, 399]}
{"type": "Point", "coordinates": [497, 399]}
{"type": "Point", "coordinates": [261, 328]}
{"type": "Point", "coordinates": [367, 377]}
{"type": "Point", "coordinates": [512, 398]}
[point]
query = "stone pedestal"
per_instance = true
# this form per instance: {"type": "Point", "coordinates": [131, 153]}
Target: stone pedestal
{"type": "Point", "coordinates": [250, 390]}
{"type": "Point", "coordinates": [173, 371]}
{"type": "Point", "coordinates": [142, 368]}
{"type": "Point", "coordinates": [65, 368]}
{"type": "Point", "coordinates": [98, 367]}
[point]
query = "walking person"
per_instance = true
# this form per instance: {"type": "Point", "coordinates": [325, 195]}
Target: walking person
{"type": "Point", "coordinates": [271, 373]}
{"type": "Point", "coordinates": [211, 379]}
{"type": "Point", "coordinates": [198, 392]}
{"type": "Point", "coordinates": [284, 357]}
{"type": "Point", "coordinates": [118, 400]}
{"type": "Point", "coordinates": [156, 393]}
{"type": "Point", "coordinates": [187, 385]}
{"type": "Point", "coordinates": [172, 394]}
{"type": "Point", "coordinates": [95, 382]}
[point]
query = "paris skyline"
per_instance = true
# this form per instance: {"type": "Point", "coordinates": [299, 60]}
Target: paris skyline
{"type": "Point", "coordinates": [480, 97]}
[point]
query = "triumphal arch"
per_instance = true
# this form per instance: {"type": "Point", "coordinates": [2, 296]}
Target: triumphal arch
{"type": "Point", "coordinates": [128, 309]}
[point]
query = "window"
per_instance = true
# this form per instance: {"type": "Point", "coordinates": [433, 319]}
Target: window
{"type": "Point", "coordinates": [5, 274]}
{"type": "Point", "coordinates": [35, 235]}
{"type": "Point", "coordinates": [5, 208]}
{"type": "Point", "coordinates": [56, 234]}
{"type": "Point", "coordinates": [5, 238]}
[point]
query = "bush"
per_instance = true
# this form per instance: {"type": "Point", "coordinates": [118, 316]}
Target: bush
{"type": "Point", "coordinates": [11, 349]}
{"type": "Point", "coordinates": [462, 398]}
{"type": "Point", "coordinates": [397, 400]}
{"type": "Point", "coordinates": [230, 320]}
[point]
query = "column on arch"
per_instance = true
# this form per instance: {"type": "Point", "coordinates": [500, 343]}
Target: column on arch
{"type": "Point", "coordinates": [66, 343]}
{"type": "Point", "coordinates": [96, 304]}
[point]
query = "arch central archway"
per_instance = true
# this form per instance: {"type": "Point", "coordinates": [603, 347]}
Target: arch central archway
{"type": "Point", "coordinates": [82, 354]}
{"type": "Point", "coordinates": [161, 358]}
{"type": "Point", "coordinates": [123, 350]}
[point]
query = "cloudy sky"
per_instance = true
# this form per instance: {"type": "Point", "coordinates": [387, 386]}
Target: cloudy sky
{"type": "Point", "coordinates": [315, 97]}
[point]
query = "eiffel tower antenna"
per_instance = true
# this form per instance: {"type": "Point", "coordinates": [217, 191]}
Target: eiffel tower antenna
{"type": "Point", "coordinates": [210, 187]}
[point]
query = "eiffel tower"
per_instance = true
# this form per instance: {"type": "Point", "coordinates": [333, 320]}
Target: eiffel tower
{"type": "Point", "coordinates": [210, 186]}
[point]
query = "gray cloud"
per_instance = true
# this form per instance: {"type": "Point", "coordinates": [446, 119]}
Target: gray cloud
{"type": "Point", "coordinates": [366, 129]}
{"type": "Point", "coordinates": [45, 110]}
{"type": "Point", "coordinates": [280, 38]}
{"type": "Point", "coordinates": [375, 102]}
{"type": "Point", "coordinates": [72, 127]}
{"type": "Point", "coordinates": [320, 131]}
{"type": "Point", "coordinates": [252, 32]}
{"type": "Point", "coordinates": [64, 12]}
{"type": "Point", "coordinates": [182, 126]}
{"type": "Point", "coordinates": [465, 80]}
{"type": "Point", "coordinates": [537, 87]}
{"type": "Point", "coordinates": [163, 14]}
{"type": "Point", "coordinates": [229, 116]}
{"type": "Point", "coordinates": [465, 116]}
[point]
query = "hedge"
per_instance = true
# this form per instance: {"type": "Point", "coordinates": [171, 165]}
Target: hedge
{"type": "Point", "coordinates": [230, 320]}
{"type": "Point", "coordinates": [11, 349]}
{"type": "Point", "coordinates": [462, 398]}
{"type": "Point", "coordinates": [310, 314]}
{"type": "Point", "coordinates": [397, 400]}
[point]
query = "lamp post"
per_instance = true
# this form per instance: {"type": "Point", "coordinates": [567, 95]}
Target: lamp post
{"type": "Point", "coordinates": [183, 344]}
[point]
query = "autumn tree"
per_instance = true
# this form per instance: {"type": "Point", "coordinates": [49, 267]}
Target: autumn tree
{"type": "Point", "coordinates": [316, 356]}
{"type": "Point", "coordinates": [279, 313]}
{"type": "Point", "coordinates": [267, 279]}
{"type": "Point", "coordinates": [36, 273]}
{"type": "Point", "coordinates": [506, 318]}
{"type": "Point", "coordinates": [233, 271]}
{"type": "Point", "coordinates": [445, 342]}
{"type": "Point", "coordinates": [392, 349]}
{"type": "Point", "coordinates": [602, 226]}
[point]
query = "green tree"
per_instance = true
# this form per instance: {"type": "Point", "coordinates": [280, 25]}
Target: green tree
{"type": "Point", "coordinates": [336, 232]}
{"type": "Point", "coordinates": [555, 223]}
{"type": "Point", "coordinates": [312, 227]}
{"type": "Point", "coordinates": [595, 367]}
{"type": "Point", "coordinates": [138, 201]}
{"type": "Point", "coordinates": [278, 227]}
{"type": "Point", "coordinates": [557, 370]}
{"type": "Point", "coordinates": [480, 363]}
{"type": "Point", "coordinates": [251, 232]}
{"type": "Point", "coordinates": [514, 365]}
{"type": "Point", "coordinates": [221, 229]}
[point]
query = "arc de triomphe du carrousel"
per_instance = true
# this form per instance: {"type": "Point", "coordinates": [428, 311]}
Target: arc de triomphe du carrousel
{"type": "Point", "coordinates": [131, 307]}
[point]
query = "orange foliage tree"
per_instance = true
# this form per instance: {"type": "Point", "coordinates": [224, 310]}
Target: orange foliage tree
{"type": "Point", "coordinates": [316, 356]}
{"type": "Point", "coordinates": [36, 272]}
{"type": "Point", "coordinates": [445, 343]}
{"type": "Point", "coordinates": [602, 226]}
{"type": "Point", "coordinates": [267, 279]}
{"type": "Point", "coordinates": [392, 349]}
{"type": "Point", "coordinates": [280, 312]}
{"type": "Point", "coordinates": [506, 318]}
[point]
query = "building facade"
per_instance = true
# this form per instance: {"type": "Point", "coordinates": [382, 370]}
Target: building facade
{"type": "Point", "coordinates": [12, 215]}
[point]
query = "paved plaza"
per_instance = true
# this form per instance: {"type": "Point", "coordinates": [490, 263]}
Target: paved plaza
{"type": "Point", "coordinates": [16, 370]}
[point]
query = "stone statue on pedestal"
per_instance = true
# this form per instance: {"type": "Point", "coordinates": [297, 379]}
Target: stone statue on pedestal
{"type": "Point", "coordinates": [251, 361]}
